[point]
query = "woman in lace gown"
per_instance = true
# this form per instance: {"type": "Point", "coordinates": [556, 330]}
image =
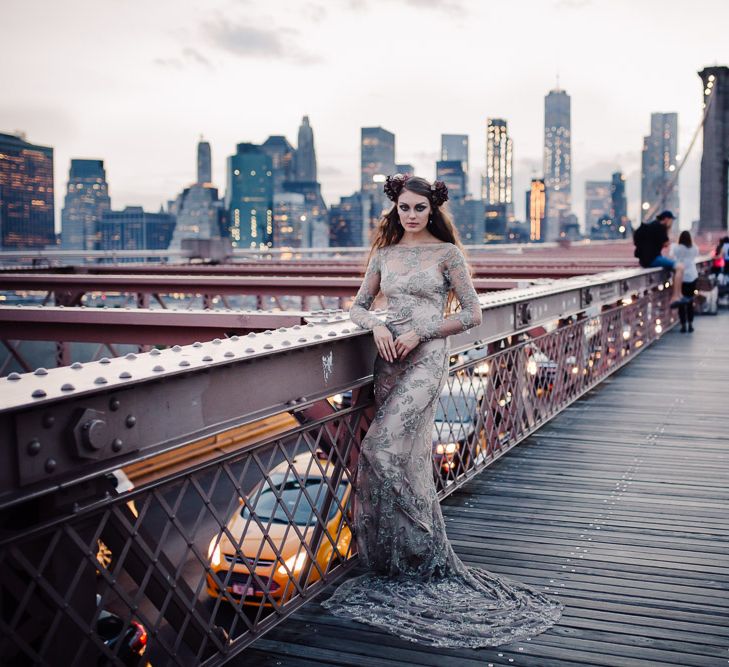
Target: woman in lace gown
{"type": "Point", "coordinates": [416, 586]}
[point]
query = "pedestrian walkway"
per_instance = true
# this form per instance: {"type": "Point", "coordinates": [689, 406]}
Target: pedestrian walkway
{"type": "Point", "coordinates": [619, 507]}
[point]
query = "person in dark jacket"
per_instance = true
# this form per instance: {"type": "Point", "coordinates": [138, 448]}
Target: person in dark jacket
{"type": "Point", "coordinates": [650, 239]}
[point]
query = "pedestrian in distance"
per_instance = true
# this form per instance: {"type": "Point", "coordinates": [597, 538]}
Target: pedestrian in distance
{"type": "Point", "coordinates": [416, 586]}
{"type": "Point", "coordinates": [651, 240]}
{"type": "Point", "coordinates": [686, 253]}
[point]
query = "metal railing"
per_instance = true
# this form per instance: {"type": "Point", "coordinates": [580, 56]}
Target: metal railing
{"type": "Point", "coordinates": [195, 566]}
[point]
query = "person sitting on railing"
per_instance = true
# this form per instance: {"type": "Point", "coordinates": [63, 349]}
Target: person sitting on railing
{"type": "Point", "coordinates": [417, 587]}
{"type": "Point", "coordinates": [686, 253]}
{"type": "Point", "coordinates": [650, 240]}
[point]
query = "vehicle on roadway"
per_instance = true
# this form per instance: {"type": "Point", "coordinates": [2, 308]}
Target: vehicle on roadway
{"type": "Point", "coordinates": [260, 557]}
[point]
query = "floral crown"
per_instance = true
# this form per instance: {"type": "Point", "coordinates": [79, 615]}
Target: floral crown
{"type": "Point", "coordinates": [395, 184]}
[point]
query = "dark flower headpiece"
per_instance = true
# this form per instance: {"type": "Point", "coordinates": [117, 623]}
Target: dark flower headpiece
{"type": "Point", "coordinates": [395, 184]}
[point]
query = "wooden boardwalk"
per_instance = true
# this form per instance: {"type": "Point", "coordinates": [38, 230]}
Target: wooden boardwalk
{"type": "Point", "coordinates": [619, 506]}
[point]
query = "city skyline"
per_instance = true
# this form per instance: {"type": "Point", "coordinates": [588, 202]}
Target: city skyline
{"type": "Point", "coordinates": [140, 97]}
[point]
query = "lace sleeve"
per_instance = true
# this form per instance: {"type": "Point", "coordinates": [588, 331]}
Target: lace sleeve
{"type": "Point", "coordinates": [359, 313]}
{"type": "Point", "coordinates": [456, 272]}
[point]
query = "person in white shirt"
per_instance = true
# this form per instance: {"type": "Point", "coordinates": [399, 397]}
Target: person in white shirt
{"type": "Point", "coordinates": [686, 252]}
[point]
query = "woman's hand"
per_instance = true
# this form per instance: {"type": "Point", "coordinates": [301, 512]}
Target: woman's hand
{"type": "Point", "coordinates": [385, 344]}
{"type": "Point", "coordinates": [406, 343]}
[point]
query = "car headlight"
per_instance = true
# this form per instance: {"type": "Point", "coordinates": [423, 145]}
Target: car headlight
{"type": "Point", "coordinates": [294, 564]}
{"type": "Point", "coordinates": [214, 551]}
{"type": "Point", "coordinates": [446, 448]}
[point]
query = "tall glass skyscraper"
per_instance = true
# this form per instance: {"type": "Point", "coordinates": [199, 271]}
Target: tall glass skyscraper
{"type": "Point", "coordinates": [282, 154]}
{"type": "Point", "coordinates": [497, 192]}
{"type": "Point", "coordinates": [305, 153]}
{"type": "Point", "coordinates": [619, 203]}
{"type": "Point", "coordinates": [349, 221]}
{"type": "Point", "coordinates": [659, 182]}
{"type": "Point", "coordinates": [204, 162]}
{"type": "Point", "coordinates": [26, 194]}
{"type": "Point", "coordinates": [87, 197]}
{"type": "Point", "coordinates": [135, 229]}
{"type": "Point", "coordinates": [377, 160]}
{"type": "Point", "coordinates": [249, 197]}
{"type": "Point", "coordinates": [557, 162]}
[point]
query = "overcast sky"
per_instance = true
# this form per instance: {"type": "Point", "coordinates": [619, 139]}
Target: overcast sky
{"type": "Point", "coordinates": [136, 82]}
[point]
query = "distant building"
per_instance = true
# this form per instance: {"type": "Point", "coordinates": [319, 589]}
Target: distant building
{"type": "Point", "coordinates": [497, 185]}
{"type": "Point", "coordinates": [26, 194]}
{"type": "Point", "coordinates": [349, 221]}
{"type": "Point", "coordinates": [470, 224]}
{"type": "Point", "coordinates": [714, 206]}
{"type": "Point", "coordinates": [305, 154]}
{"type": "Point", "coordinates": [249, 197]}
{"type": "Point", "coordinates": [452, 174]}
{"type": "Point", "coordinates": [204, 162]}
{"type": "Point", "coordinates": [290, 224]}
{"type": "Point", "coordinates": [557, 163]}
{"type": "Point", "coordinates": [454, 147]}
{"type": "Point", "coordinates": [619, 204]}
{"type": "Point", "coordinates": [659, 182]}
{"type": "Point", "coordinates": [377, 160]}
{"type": "Point", "coordinates": [135, 229]}
{"type": "Point", "coordinates": [536, 209]}
{"type": "Point", "coordinates": [314, 230]}
{"type": "Point", "coordinates": [198, 209]}
{"type": "Point", "coordinates": [598, 202]}
{"type": "Point", "coordinates": [405, 169]}
{"type": "Point", "coordinates": [87, 198]}
{"type": "Point", "coordinates": [282, 155]}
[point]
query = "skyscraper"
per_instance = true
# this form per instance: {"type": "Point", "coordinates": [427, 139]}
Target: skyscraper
{"type": "Point", "coordinates": [349, 221]}
{"type": "Point", "coordinates": [377, 160]}
{"type": "Point", "coordinates": [454, 147]}
{"type": "Point", "coordinates": [305, 153]}
{"type": "Point", "coordinates": [598, 202]}
{"type": "Point", "coordinates": [87, 197]}
{"type": "Point", "coordinates": [26, 194]}
{"type": "Point", "coordinates": [536, 209]}
{"type": "Point", "coordinates": [249, 197]}
{"type": "Point", "coordinates": [204, 162]}
{"type": "Point", "coordinates": [452, 174]}
{"type": "Point", "coordinates": [405, 169]}
{"type": "Point", "coordinates": [619, 204]}
{"type": "Point", "coordinates": [659, 182]}
{"type": "Point", "coordinates": [557, 162]}
{"type": "Point", "coordinates": [497, 185]}
{"type": "Point", "coordinates": [290, 222]}
{"type": "Point", "coordinates": [714, 162]}
{"type": "Point", "coordinates": [198, 210]}
{"type": "Point", "coordinates": [282, 155]}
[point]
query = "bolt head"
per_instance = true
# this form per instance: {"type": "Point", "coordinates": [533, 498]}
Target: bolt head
{"type": "Point", "coordinates": [131, 420]}
{"type": "Point", "coordinates": [34, 447]}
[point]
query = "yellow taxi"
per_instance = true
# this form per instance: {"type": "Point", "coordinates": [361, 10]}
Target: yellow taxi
{"type": "Point", "coordinates": [266, 558]}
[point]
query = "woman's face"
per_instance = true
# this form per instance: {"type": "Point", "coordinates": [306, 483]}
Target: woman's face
{"type": "Point", "coordinates": [414, 211]}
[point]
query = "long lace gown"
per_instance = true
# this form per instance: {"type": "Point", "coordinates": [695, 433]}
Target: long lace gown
{"type": "Point", "coordinates": [416, 587]}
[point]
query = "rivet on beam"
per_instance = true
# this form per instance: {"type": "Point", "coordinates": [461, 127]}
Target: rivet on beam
{"type": "Point", "coordinates": [251, 335]}
{"type": "Point", "coordinates": [197, 343]}
{"type": "Point", "coordinates": [286, 342]}
{"type": "Point", "coordinates": [318, 336]}
{"type": "Point", "coordinates": [282, 329]}
{"type": "Point", "coordinates": [77, 365]}
{"type": "Point", "coordinates": [125, 375]}
{"type": "Point", "coordinates": [267, 332]}
{"type": "Point", "coordinates": [104, 360]}
{"type": "Point", "coordinates": [302, 340]}
{"type": "Point", "coordinates": [176, 348]}
{"type": "Point", "coordinates": [234, 338]}
{"type": "Point", "coordinates": [100, 380]}
{"type": "Point", "coordinates": [345, 330]}
{"type": "Point", "coordinates": [40, 371]}
{"type": "Point", "coordinates": [158, 369]}
{"type": "Point", "coordinates": [67, 387]}
{"type": "Point", "coordinates": [14, 376]}
{"type": "Point", "coordinates": [154, 352]}
{"type": "Point", "coordinates": [229, 354]}
{"type": "Point", "coordinates": [217, 341]}
{"type": "Point", "coordinates": [184, 363]}
{"type": "Point", "coordinates": [131, 356]}
{"type": "Point", "coordinates": [38, 393]}
{"type": "Point", "coordinates": [332, 333]}
{"type": "Point", "coordinates": [207, 358]}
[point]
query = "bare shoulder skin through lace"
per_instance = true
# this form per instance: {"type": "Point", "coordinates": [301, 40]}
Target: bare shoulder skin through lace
{"type": "Point", "coordinates": [416, 587]}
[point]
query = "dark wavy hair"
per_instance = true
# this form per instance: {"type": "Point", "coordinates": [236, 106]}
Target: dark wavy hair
{"type": "Point", "coordinates": [390, 231]}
